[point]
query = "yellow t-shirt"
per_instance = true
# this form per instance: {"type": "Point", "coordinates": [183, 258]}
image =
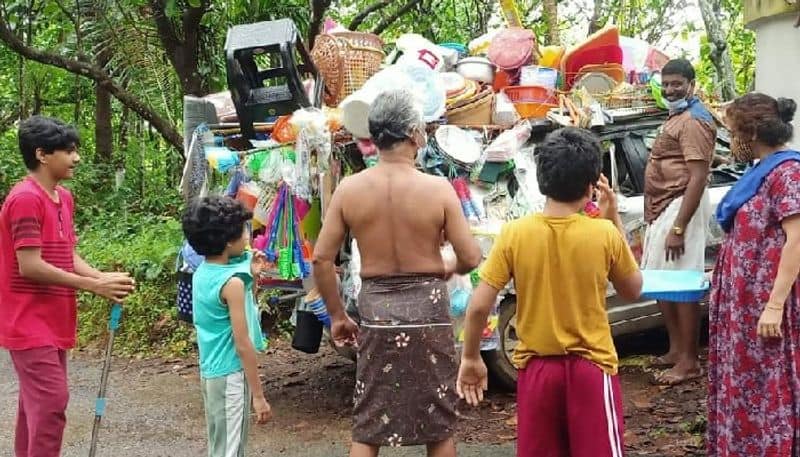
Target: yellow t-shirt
{"type": "Point", "coordinates": [561, 267]}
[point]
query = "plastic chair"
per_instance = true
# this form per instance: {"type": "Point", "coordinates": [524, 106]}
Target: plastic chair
{"type": "Point", "coordinates": [258, 92]}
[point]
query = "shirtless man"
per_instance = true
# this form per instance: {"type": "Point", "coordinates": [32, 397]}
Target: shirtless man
{"type": "Point", "coordinates": [406, 370]}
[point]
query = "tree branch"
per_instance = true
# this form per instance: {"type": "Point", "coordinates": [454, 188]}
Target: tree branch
{"type": "Point", "coordinates": [97, 74]}
{"type": "Point", "coordinates": [384, 24]}
{"type": "Point", "coordinates": [362, 15]}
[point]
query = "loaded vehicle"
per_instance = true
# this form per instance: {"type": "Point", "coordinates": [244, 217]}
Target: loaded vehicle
{"type": "Point", "coordinates": [627, 147]}
{"type": "Point", "coordinates": [626, 150]}
{"type": "Point", "coordinates": [293, 124]}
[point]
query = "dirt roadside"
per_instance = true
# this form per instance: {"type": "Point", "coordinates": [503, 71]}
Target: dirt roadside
{"type": "Point", "coordinates": [155, 409]}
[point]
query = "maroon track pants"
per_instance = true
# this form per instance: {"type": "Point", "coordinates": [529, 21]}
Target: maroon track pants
{"type": "Point", "coordinates": [43, 397]}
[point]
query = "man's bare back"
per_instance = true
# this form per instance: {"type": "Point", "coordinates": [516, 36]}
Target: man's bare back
{"type": "Point", "coordinates": [398, 216]}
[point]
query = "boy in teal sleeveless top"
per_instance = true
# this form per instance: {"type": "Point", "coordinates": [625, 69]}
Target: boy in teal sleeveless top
{"type": "Point", "coordinates": [226, 319]}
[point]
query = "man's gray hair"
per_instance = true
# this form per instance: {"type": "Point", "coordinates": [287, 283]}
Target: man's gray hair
{"type": "Point", "coordinates": [392, 117]}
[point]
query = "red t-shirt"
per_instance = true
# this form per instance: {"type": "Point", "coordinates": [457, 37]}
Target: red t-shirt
{"type": "Point", "coordinates": [33, 314]}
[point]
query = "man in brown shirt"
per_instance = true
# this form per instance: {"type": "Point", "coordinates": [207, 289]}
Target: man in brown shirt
{"type": "Point", "coordinates": [677, 210]}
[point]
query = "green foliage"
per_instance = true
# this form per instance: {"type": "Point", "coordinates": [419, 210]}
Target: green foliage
{"type": "Point", "coordinates": [12, 169]}
{"type": "Point", "coordinates": [742, 48]}
{"type": "Point", "coordinates": [146, 247]}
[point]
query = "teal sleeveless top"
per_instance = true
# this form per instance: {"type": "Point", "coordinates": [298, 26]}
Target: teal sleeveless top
{"type": "Point", "coordinates": [218, 356]}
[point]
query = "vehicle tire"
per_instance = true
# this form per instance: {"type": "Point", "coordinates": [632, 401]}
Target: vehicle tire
{"type": "Point", "coordinates": [498, 362]}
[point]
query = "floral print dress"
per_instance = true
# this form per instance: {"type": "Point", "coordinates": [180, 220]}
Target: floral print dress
{"type": "Point", "coordinates": [754, 382]}
{"type": "Point", "coordinates": [406, 369]}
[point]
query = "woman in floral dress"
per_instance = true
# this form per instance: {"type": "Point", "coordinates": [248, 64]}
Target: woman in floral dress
{"type": "Point", "coordinates": [754, 342]}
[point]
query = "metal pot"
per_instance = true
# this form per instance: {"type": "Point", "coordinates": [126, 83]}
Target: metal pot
{"type": "Point", "coordinates": [476, 69]}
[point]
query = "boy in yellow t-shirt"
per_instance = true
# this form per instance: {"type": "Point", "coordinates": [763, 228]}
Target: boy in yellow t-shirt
{"type": "Point", "coordinates": [568, 394]}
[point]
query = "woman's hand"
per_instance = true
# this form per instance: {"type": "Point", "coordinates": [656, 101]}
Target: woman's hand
{"type": "Point", "coordinates": [769, 324]}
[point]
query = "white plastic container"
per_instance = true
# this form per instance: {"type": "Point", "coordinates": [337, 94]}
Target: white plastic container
{"type": "Point", "coordinates": [534, 75]}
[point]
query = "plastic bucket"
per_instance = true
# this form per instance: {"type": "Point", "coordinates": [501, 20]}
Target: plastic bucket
{"type": "Point", "coordinates": [307, 333]}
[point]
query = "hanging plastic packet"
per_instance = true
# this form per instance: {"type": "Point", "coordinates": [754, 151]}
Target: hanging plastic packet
{"type": "Point", "coordinates": [256, 161]}
{"type": "Point", "coordinates": [312, 147]}
{"type": "Point", "coordinates": [270, 172]}
{"type": "Point", "coordinates": [237, 179]}
{"type": "Point", "coordinates": [248, 194]}
{"type": "Point", "coordinates": [508, 144]}
{"type": "Point", "coordinates": [221, 159]}
{"type": "Point", "coordinates": [528, 198]}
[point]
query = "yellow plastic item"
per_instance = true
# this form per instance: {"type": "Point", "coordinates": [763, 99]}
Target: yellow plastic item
{"type": "Point", "coordinates": [551, 56]}
{"type": "Point", "coordinates": [510, 13]}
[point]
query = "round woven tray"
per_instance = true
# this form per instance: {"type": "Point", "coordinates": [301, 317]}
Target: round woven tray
{"type": "Point", "coordinates": [476, 113]}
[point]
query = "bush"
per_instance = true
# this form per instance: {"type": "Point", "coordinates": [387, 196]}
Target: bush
{"type": "Point", "coordinates": [145, 246]}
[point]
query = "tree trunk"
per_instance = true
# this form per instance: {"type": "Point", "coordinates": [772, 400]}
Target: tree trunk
{"type": "Point", "coordinates": [595, 23]}
{"type": "Point", "coordinates": [103, 131]}
{"type": "Point", "coordinates": [76, 116]}
{"type": "Point", "coordinates": [183, 52]}
{"type": "Point", "coordinates": [37, 99]}
{"type": "Point", "coordinates": [550, 8]}
{"type": "Point", "coordinates": [318, 10]}
{"type": "Point", "coordinates": [720, 55]}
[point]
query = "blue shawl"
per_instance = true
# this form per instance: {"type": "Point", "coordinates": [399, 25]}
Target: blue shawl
{"type": "Point", "coordinates": [748, 185]}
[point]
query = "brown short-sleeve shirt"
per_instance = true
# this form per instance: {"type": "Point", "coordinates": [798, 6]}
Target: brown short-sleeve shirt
{"type": "Point", "coordinates": [690, 135]}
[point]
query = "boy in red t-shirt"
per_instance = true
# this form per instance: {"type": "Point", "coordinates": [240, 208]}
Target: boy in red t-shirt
{"type": "Point", "coordinates": [39, 273]}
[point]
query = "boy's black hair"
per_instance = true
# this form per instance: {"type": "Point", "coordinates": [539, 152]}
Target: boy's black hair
{"type": "Point", "coordinates": [46, 133]}
{"type": "Point", "coordinates": [210, 223]}
{"type": "Point", "coordinates": [567, 162]}
{"type": "Point", "coordinates": [679, 67]}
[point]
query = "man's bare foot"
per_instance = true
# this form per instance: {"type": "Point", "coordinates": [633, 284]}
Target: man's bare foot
{"type": "Point", "coordinates": [679, 374]}
{"type": "Point", "coordinates": [667, 360]}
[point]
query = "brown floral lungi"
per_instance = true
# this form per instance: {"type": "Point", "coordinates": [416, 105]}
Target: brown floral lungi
{"type": "Point", "coordinates": [406, 369]}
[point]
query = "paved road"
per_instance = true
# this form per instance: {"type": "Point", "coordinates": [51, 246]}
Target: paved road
{"type": "Point", "coordinates": [157, 411]}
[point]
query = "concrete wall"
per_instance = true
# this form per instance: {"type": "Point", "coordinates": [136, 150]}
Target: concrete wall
{"type": "Point", "coordinates": [778, 60]}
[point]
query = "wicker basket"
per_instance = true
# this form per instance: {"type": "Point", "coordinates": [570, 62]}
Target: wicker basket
{"type": "Point", "coordinates": [367, 40]}
{"type": "Point", "coordinates": [476, 113]}
{"type": "Point", "coordinates": [633, 98]}
{"type": "Point", "coordinates": [361, 55]}
{"type": "Point", "coordinates": [346, 60]}
{"type": "Point", "coordinates": [327, 57]}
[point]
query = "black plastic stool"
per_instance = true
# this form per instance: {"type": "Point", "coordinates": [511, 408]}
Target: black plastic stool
{"type": "Point", "coordinates": [266, 62]}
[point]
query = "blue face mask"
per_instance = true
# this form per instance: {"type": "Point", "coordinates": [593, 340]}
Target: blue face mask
{"type": "Point", "coordinates": [677, 105]}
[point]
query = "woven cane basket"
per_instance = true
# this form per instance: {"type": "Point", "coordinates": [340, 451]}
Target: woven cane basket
{"type": "Point", "coordinates": [347, 60]}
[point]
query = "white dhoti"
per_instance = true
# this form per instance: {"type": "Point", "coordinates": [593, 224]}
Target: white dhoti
{"type": "Point", "coordinates": [695, 234]}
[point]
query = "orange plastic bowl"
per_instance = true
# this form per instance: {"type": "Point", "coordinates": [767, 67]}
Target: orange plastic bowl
{"type": "Point", "coordinates": [533, 110]}
{"type": "Point", "coordinates": [529, 94]}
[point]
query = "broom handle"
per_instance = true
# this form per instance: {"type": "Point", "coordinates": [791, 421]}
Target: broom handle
{"type": "Point", "coordinates": [100, 403]}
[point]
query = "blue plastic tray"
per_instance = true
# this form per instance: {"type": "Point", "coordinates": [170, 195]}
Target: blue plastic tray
{"type": "Point", "coordinates": [674, 285]}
